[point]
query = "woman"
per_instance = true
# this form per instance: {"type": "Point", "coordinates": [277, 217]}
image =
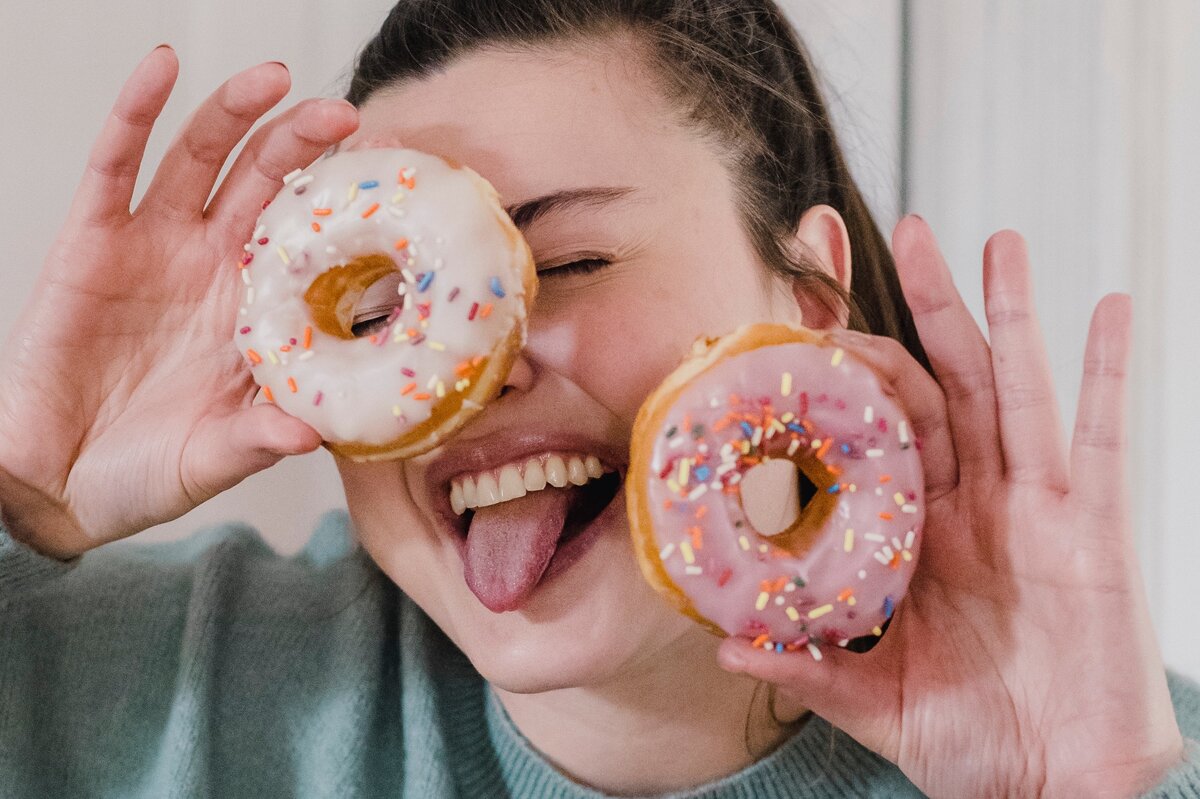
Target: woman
{"type": "Point", "coordinates": [674, 171]}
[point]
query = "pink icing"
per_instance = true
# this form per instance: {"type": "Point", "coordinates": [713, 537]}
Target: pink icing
{"type": "Point", "coordinates": [763, 403]}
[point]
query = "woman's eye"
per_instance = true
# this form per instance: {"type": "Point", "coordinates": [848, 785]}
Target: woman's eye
{"type": "Point", "coordinates": [583, 266]}
{"type": "Point", "coordinates": [365, 327]}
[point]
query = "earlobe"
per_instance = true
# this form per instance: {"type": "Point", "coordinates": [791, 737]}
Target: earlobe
{"type": "Point", "coordinates": [822, 240]}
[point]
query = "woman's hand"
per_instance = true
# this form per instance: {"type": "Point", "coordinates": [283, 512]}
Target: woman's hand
{"type": "Point", "coordinates": [1022, 661]}
{"type": "Point", "coordinates": [123, 402]}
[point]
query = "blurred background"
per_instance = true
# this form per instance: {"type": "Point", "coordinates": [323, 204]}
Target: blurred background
{"type": "Point", "coordinates": [1072, 121]}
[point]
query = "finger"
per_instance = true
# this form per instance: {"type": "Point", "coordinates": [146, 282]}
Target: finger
{"type": "Point", "coordinates": [1098, 443]}
{"type": "Point", "coordinates": [1030, 429]}
{"type": "Point", "coordinates": [955, 346]}
{"type": "Point", "coordinates": [106, 189]}
{"type": "Point", "coordinates": [920, 397]}
{"type": "Point", "coordinates": [845, 688]}
{"type": "Point", "coordinates": [192, 162]}
{"type": "Point", "coordinates": [292, 141]}
{"type": "Point", "coordinates": [224, 451]}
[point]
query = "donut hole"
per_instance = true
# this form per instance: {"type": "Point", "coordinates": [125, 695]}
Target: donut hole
{"type": "Point", "coordinates": [354, 299]}
{"type": "Point", "coordinates": [786, 501]}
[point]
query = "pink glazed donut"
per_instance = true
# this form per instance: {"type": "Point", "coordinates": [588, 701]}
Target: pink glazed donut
{"type": "Point", "coordinates": [770, 393]}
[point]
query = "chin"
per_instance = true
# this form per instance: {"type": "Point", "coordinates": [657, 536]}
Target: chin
{"type": "Point", "coordinates": [587, 625]}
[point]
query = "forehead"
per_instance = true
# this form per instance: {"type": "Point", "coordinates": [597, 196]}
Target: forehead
{"type": "Point", "coordinates": [537, 121]}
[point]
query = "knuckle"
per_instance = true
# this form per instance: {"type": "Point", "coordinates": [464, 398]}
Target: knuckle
{"type": "Point", "coordinates": [1015, 398]}
{"type": "Point", "coordinates": [1098, 437]}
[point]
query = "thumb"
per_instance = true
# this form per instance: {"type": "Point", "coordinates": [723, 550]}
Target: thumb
{"type": "Point", "coordinates": [847, 689]}
{"type": "Point", "coordinates": [226, 450]}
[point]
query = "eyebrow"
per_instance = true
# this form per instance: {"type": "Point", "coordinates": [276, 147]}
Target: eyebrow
{"type": "Point", "coordinates": [526, 213]}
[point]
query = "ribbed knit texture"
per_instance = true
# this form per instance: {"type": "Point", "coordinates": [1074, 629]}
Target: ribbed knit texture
{"type": "Point", "coordinates": [213, 667]}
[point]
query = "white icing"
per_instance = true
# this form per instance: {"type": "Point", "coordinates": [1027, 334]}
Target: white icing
{"type": "Point", "coordinates": [360, 382]}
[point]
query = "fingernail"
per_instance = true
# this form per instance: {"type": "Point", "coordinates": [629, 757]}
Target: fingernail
{"type": "Point", "coordinates": [280, 63]}
{"type": "Point", "coordinates": [918, 216]}
{"type": "Point", "coordinates": [164, 44]}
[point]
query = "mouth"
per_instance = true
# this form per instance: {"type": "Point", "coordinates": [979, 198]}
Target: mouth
{"type": "Point", "coordinates": [520, 524]}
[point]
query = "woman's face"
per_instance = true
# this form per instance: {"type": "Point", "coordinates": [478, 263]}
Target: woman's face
{"type": "Point", "coordinates": [655, 215]}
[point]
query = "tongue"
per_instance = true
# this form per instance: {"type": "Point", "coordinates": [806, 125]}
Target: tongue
{"type": "Point", "coordinates": [510, 544]}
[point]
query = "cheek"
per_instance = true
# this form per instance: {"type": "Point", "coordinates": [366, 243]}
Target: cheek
{"type": "Point", "coordinates": [619, 338]}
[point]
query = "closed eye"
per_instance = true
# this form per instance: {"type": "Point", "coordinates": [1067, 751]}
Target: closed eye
{"type": "Point", "coordinates": [583, 266]}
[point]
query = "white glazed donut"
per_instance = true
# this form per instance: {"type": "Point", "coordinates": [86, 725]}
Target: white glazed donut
{"type": "Point", "coordinates": [423, 243]}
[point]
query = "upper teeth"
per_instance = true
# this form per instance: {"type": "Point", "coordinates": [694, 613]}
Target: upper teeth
{"type": "Point", "coordinates": [515, 480]}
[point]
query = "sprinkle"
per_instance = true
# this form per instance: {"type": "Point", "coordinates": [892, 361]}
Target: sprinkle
{"type": "Point", "coordinates": [868, 414]}
{"type": "Point", "coordinates": [396, 411]}
{"type": "Point", "coordinates": [283, 256]}
{"type": "Point", "coordinates": [844, 594]}
{"type": "Point", "coordinates": [263, 241]}
{"type": "Point", "coordinates": [874, 453]}
{"type": "Point", "coordinates": [494, 285]}
{"type": "Point", "coordinates": [422, 396]}
{"type": "Point", "coordinates": [485, 311]}
{"type": "Point", "coordinates": [904, 432]}
{"type": "Point", "coordinates": [898, 498]}
{"type": "Point", "coordinates": [471, 313]}
{"type": "Point", "coordinates": [352, 192]}
{"type": "Point", "coordinates": [247, 257]}
{"type": "Point", "coordinates": [267, 393]}
{"type": "Point", "coordinates": [304, 356]}
{"type": "Point", "coordinates": [322, 211]}
{"type": "Point", "coordinates": [244, 330]}
{"type": "Point", "coordinates": [817, 613]}
{"type": "Point", "coordinates": [408, 389]}
{"type": "Point", "coordinates": [453, 293]}
{"type": "Point", "coordinates": [762, 600]}
{"type": "Point", "coordinates": [290, 176]}
{"type": "Point", "coordinates": [889, 606]}
{"type": "Point", "coordinates": [302, 182]}
{"type": "Point", "coordinates": [250, 295]}
{"type": "Point", "coordinates": [744, 543]}
{"type": "Point", "coordinates": [368, 184]}
{"type": "Point", "coordinates": [760, 640]}
{"type": "Point", "coordinates": [909, 538]}
{"type": "Point", "coordinates": [792, 613]}
{"type": "Point", "coordinates": [685, 465]}
{"type": "Point", "coordinates": [272, 357]}
{"type": "Point", "coordinates": [307, 337]}
{"type": "Point", "coordinates": [253, 356]}
{"type": "Point", "coordinates": [401, 243]}
{"type": "Point", "coordinates": [837, 356]}
{"type": "Point", "coordinates": [397, 197]}
{"type": "Point", "coordinates": [666, 551]}
{"type": "Point", "coordinates": [292, 384]}
{"type": "Point", "coordinates": [692, 570]}
{"type": "Point", "coordinates": [848, 543]}
{"type": "Point", "coordinates": [875, 538]}
{"type": "Point", "coordinates": [441, 389]}
{"type": "Point", "coordinates": [685, 547]}
{"type": "Point", "coordinates": [887, 517]}
{"type": "Point", "coordinates": [436, 345]}
{"type": "Point", "coordinates": [785, 385]}
{"type": "Point", "coordinates": [316, 227]}
{"type": "Point", "coordinates": [877, 631]}
{"type": "Point", "coordinates": [372, 209]}
{"type": "Point", "coordinates": [317, 398]}
{"type": "Point", "coordinates": [425, 279]}
{"type": "Point", "coordinates": [792, 447]}
{"type": "Point", "coordinates": [908, 508]}
{"type": "Point", "coordinates": [816, 653]}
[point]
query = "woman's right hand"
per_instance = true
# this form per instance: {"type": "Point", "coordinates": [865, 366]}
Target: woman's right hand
{"type": "Point", "coordinates": [123, 402]}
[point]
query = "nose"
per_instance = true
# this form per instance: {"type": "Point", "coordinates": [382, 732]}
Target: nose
{"type": "Point", "coordinates": [520, 377]}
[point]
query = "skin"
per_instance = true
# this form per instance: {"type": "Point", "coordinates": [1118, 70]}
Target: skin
{"type": "Point", "coordinates": [1028, 578]}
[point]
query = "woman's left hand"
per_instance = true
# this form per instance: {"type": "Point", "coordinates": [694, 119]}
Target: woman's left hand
{"type": "Point", "coordinates": [1022, 661]}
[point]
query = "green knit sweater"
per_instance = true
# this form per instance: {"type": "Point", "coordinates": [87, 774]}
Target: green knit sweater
{"type": "Point", "coordinates": [214, 667]}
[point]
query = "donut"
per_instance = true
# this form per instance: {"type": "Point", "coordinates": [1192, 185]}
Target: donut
{"type": "Point", "coordinates": [764, 399]}
{"type": "Point", "coordinates": [385, 299]}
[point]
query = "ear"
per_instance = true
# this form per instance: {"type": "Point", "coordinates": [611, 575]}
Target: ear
{"type": "Point", "coordinates": [821, 237]}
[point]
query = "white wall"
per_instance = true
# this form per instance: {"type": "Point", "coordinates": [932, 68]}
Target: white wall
{"type": "Point", "coordinates": [1072, 121]}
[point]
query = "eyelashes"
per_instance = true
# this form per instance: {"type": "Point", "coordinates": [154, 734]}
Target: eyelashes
{"type": "Point", "coordinates": [372, 320]}
{"type": "Point", "coordinates": [583, 266]}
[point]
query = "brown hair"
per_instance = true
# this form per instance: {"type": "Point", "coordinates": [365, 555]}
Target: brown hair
{"type": "Point", "coordinates": [737, 70]}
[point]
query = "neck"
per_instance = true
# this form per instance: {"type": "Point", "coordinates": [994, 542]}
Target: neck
{"type": "Point", "coordinates": [625, 736]}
